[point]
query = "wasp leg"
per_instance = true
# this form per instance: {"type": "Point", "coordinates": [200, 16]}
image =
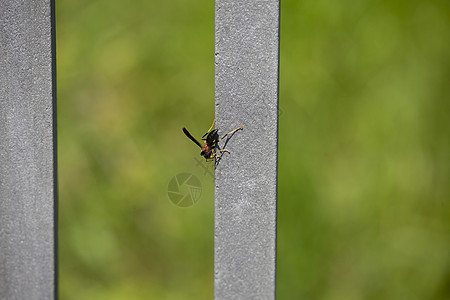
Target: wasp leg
{"type": "Point", "coordinates": [216, 153]}
{"type": "Point", "coordinates": [214, 121]}
{"type": "Point", "coordinates": [224, 150]}
{"type": "Point", "coordinates": [231, 132]}
{"type": "Point", "coordinates": [219, 156]}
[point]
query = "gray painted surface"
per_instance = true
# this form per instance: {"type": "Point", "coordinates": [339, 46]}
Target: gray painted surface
{"type": "Point", "coordinates": [27, 150]}
{"type": "Point", "coordinates": [247, 60]}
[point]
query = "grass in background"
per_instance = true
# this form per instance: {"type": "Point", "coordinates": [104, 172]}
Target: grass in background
{"type": "Point", "coordinates": [130, 76]}
{"type": "Point", "coordinates": [363, 161]}
{"type": "Point", "coordinates": [364, 143]}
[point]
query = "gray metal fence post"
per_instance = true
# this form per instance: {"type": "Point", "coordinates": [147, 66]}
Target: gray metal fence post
{"type": "Point", "coordinates": [27, 150]}
{"type": "Point", "coordinates": [247, 63]}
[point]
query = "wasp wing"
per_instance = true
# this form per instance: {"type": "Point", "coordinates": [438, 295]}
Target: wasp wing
{"type": "Point", "coordinates": [186, 132]}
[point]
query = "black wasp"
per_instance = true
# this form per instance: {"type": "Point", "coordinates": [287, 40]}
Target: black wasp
{"type": "Point", "coordinates": [210, 149]}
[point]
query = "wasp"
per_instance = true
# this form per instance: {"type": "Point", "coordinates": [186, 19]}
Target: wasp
{"type": "Point", "coordinates": [210, 149]}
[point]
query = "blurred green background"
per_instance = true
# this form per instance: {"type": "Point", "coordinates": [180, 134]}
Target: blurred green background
{"type": "Point", "coordinates": [363, 160]}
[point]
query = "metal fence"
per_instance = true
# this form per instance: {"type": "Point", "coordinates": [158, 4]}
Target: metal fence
{"type": "Point", "coordinates": [27, 150]}
{"type": "Point", "coordinates": [247, 62]}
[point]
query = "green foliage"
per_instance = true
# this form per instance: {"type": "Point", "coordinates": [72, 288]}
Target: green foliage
{"type": "Point", "coordinates": [363, 161]}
